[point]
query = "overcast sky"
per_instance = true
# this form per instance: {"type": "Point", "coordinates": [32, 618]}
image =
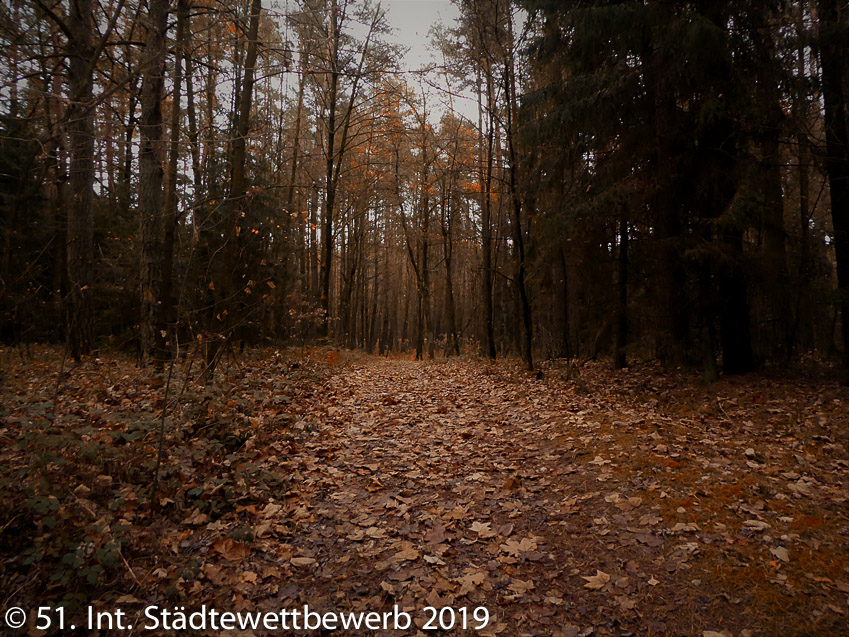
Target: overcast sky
{"type": "Point", "coordinates": [412, 20]}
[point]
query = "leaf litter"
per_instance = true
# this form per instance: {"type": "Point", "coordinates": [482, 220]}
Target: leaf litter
{"type": "Point", "coordinates": [618, 503]}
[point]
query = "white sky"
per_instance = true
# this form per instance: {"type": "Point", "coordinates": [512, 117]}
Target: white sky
{"type": "Point", "coordinates": [412, 20]}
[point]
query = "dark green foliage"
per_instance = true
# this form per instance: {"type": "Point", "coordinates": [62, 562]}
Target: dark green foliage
{"type": "Point", "coordinates": [25, 237]}
{"type": "Point", "coordinates": [670, 114]}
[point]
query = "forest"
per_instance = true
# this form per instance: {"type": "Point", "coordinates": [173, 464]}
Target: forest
{"type": "Point", "coordinates": [553, 322]}
{"type": "Point", "coordinates": [618, 180]}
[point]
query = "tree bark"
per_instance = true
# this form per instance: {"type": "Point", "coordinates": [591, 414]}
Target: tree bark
{"type": "Point", "coordinates": [81, 52]}
{"type": "Point", "coordinates": [518, 231]}
{"type": "Point", "coordinates": [167, 313]}
{"type": "Point", "coordinates": [485, 174]}
{"type": "Point", "coordinates": [448, 255]}
{"type": "Point", "coordinates": [567, 336]}
{"type": "Point", "coordinates": [772, 215]}
{"type": "Point", "coordinates": [150, 181]}
{"type": "Point", "coordinates": [737, 356]}
{"type": "Point", "coordinates": [833, 34]}
{"type": "Point", "coordinates": [330, 155]}
{"type": "Point", "coordinates": [671, 276]}
{"type": "Point", "coordinates": [620, 360]}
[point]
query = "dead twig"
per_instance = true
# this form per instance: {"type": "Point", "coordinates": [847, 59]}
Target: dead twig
{"type": "Point", "coordinates": [154, 490]}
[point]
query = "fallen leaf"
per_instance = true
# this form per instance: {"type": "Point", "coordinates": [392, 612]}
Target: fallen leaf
{"type": "Point", "coordinates": [213, 573]}
{"type": "Point", "coordinates": [436, 535]}
{"type": "Point", "coordinates": [482, 529]}
{"type": "Point", "coordinates": [231, 550]}
{"type": "Point", "coordinates": [470, 582]}
{"type": "Point", "coordinates": [781, 553]}
{"type": "Point", "coordinates": [517, 548]}
{"type": "Point", "coordinates": [625, 603]}
{"type": "Point", "coordinates": [408, 553]}
{"type": "Point", "coordinates": [521, 586]}
{"type": "Point", "coordinates": [597, 581]}
{"type": "Point", "coordinates": [302, 561]}
{"type": "Point", "coordinates": [127, 599]}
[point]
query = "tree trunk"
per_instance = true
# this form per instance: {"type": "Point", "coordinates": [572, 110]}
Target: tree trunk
{"type": "Point", "coordinates": [293, 217]}
{"type": "Point", "coordinates": [424, 337]}
{"type": "Point", "coordinates": [567, 336]}
{"type": "Point", "coordinates": [150, 181]}
{"type": "Point", "coordinates": [671, 277]}
{"type": "Point", "coordinates": [620, 360]}
{"type": "Point", "coordinates": [238, 181]}
{"type": "Point", "coordinates": [330, 155]}
{"type": "Point", "coordinates": [737, 356]}
{"type": "Point", "coordinates": [81, 52]}
{"type": "Point", "coordinates": [448, 254]}
{"type": "Point", "coordinates": [167, 313]}
{"type": "Point", "coordinates": [193, 133]}
{"type": "Point", "coordinates": [486, 217]}
{"type": "Point", "coordinates": [55, 186]}
{"type": "Point", "coordinates": [833, 34]}
{"type": "Point", "coordinates": [772, 216]}
{"type": "Point", "coordinates": [801, 113]}
{"type": "Point", "coordinates": [518, 232]}
{"type": "Point", "coordinates": [125, 186]}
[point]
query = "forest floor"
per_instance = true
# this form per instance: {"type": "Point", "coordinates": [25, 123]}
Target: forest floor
{"type": "Point", "coordinates": [587, 502]}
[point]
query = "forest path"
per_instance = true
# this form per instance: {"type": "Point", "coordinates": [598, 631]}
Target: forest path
{"type": "Point", "coordinates": [463, 427]}
{"type": "Point", "coordinates": [617, 503]}
{"type": "Point", "coordinates": [449, 481]}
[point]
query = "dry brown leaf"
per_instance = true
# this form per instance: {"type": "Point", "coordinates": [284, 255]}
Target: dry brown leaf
{"type": "Point", "coordinates": [521, 586]}
{"type": "Point", "coordinates": [230, 549]}
{"type": "Point", "coordinates": [213, 574]}
{"type": "Point", "coordinates": [511, 484]}
{"type": "Point", "coordinates": [781, 553]}
{"type": "Point", "coordinates": [597, 581]}
{"type": "Point", "coordinates": [625, 603]}
{"type": "Point", "coordinates": [196, 518]}
{"type": "Point", "coordinates": [302, 561]}
{"type": "Point", "coordinates": [513, 547]}
{"type": "Point", "coordinates": [470, 582]}
{"type": "Point", "coordinates": [436, 535]}
{"type": "Point", "coordinates": [408, 553]}
{"type": "Point", "coordinates": [482, 529]}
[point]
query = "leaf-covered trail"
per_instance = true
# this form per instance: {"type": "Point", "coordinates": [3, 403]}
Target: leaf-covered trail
{"type": "Point", "coordinates": [563, 509]}
{"type": "Point", "coordinates": [448, 480]}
